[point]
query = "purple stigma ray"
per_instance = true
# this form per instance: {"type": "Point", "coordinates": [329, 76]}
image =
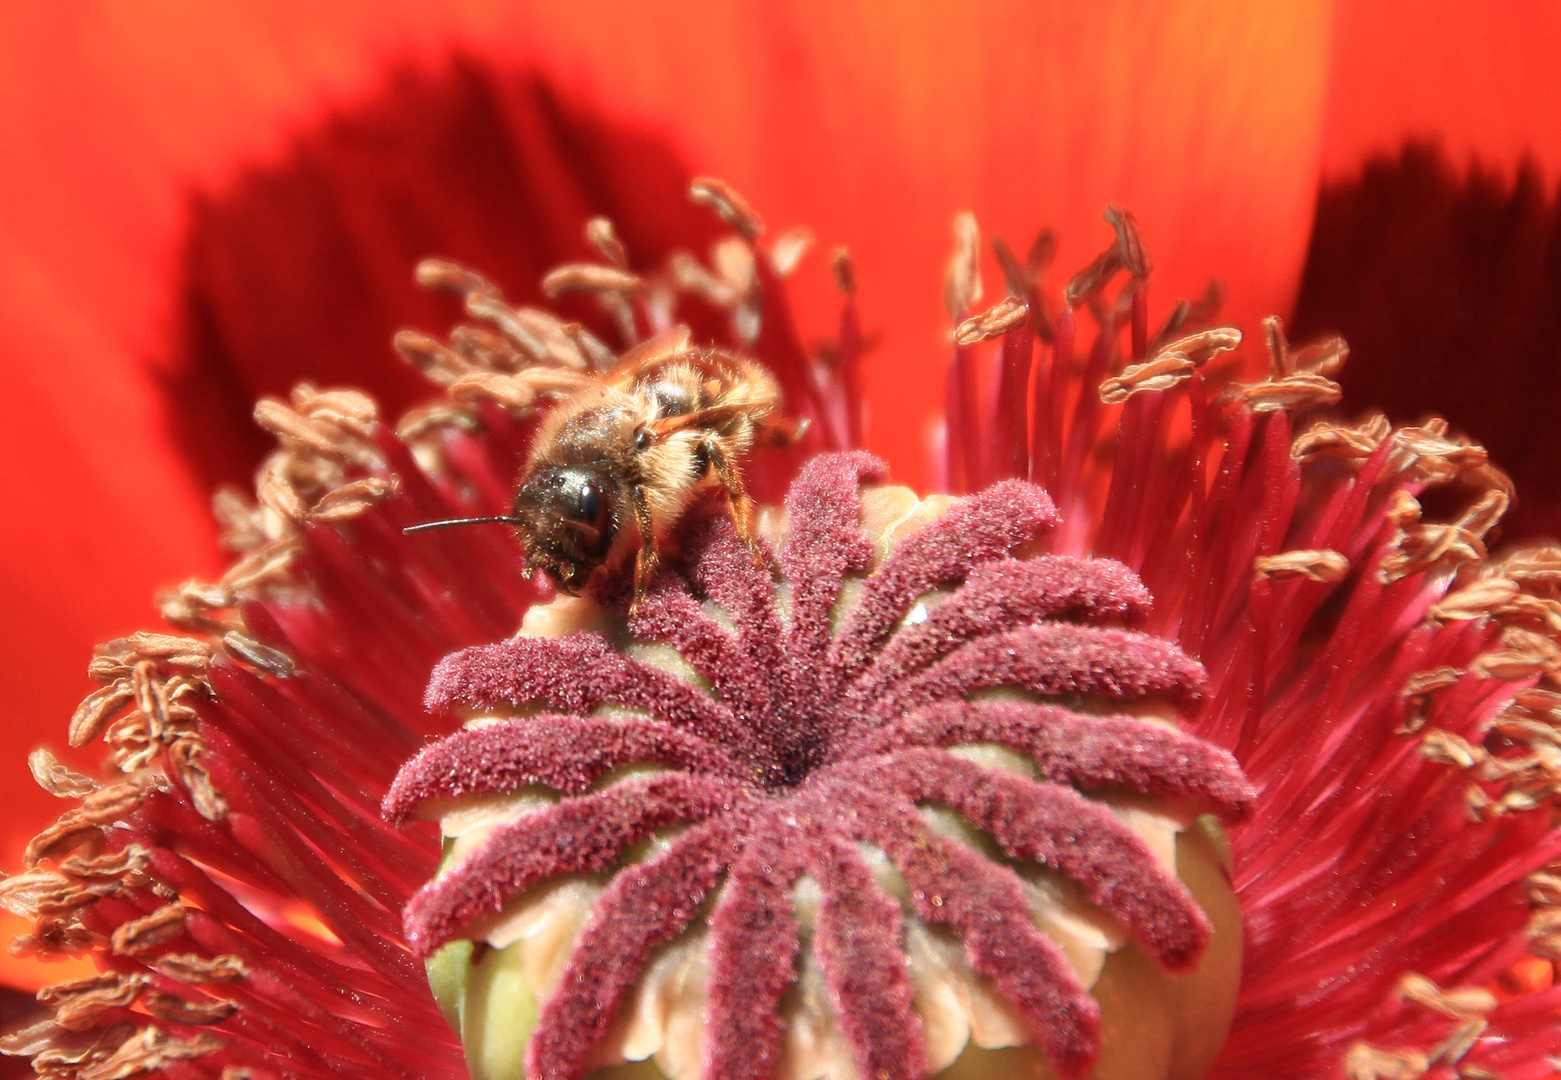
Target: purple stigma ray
{"type": "Point", "coordinates": [568, 757]}
{"type": "Point", "coordinates": [981, 527]}
{"type": "Point", "coordinates": [571, 837]}
{"type": "Point", "coordinates": [753, 947]}
{"type": "Point", "coordinates": [1004, 595]}
{"type": "Point", "coordinates": [637, 913]}
{"type": "Point", "coordinates": [857, 939]}
{"type": "Point", "coordinates": [1059, 828]}
{"type": "Point", "coordinates": [815, 739]}
{"type": "Point", "coordinates": [1116, 663]}
{"type": "Point", "coordinates": [1085, 752]}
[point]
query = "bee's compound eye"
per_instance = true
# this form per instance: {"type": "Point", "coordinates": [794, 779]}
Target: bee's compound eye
{"type": "Point", "coordinates": [593, 508]}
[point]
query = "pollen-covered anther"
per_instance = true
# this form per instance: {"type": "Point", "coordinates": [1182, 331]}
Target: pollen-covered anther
{"type": "Point", "coordinates": [1470, 1006]}
{"type": "Point", "coordinates": [733, 209]}
{"type": "Point", "coordinates": [136, 937]}
{"type": "Point", "coordinates": [1458, 1003]}
{"type": "Point", "coordinates": [1522, 654]}
{"type": "Point", "coordinates": [962, 275]}
{"type": "Point", "coordinates": [996, 321]}
{"type": "Point", "coordinates": [149, 1051]}
{"type": "Point", "coordinates": [788, 249]}
{"type": "Point", "coordinates": [1130, 241]}
{"type": "Point", "coordinates": [770, 862]}
{"type": "Point", "coordinates": [691, 276]}
{"type": "Point", "coordinates": [1161, 373]}
{"type": "Point", "coordinates": [1088, 282]}
{"type": "Point", "coordinates": [1326, 439]}
{"type": "Point", "coordinates": [1452, 749]}
{"type": "Point", "coordinates": [1422, 545]}
{"type": "Point", "coordinates": [327, 443]}
{"type": "Point", "coordinates": [1483, 598]}
{"type": "Point", "coordinates": [1320, 565]}
{"type": "Point", "coordinates": [1301, 390]}
{"type": "Point", "coordinates": [589, 278]}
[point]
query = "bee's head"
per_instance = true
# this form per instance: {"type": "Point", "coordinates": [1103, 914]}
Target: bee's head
{"type": "Point", "coordinates": [567, 517]}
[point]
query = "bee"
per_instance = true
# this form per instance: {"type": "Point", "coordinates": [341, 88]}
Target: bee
{"type": "Point", "coordinates": [622, 458]}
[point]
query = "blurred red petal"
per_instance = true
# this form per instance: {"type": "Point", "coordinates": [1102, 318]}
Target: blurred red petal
{"type": "Point", "coordinates": [1484, 83]}
{"type": "Point", "coordinates": [868, 120]}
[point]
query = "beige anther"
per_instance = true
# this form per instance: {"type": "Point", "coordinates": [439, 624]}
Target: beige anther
{"type": "Point", "coordinates": [1324, 439]}
{"type": "Point", "coordinates": [1203, 346]}
{"type": "Point", "coordinates": [1279, 364]}
{"type": "Point", "coordinates": [149, 1051]}
{"type": "Point", "coordinates": [190, 968]}
{"type": "Point", "coordinates": [589, 278]}
{"type": "Point", "coordinates": [789, 248]}
{"type": "Point", "coordinates": [177, 1010]}
{"type": "Point", "coordinates": [58, 779]}
{"type": "Point", "coordinates": [137, 936]}
{"type": "Point", "coordinates": [962, 274]}
{"type": "Point", "coordinates": [996, 321]}
{"type": "Point", "coordinates": [732, 207]}
{"type": "Point", "coordinates": [1325, 357]}
{"type": "Point", "coordinates": [1362, 1061]}
{"type": "Point", "coordinates": [1130, 243]}
{"type": "Point", "coordinates": [1296, 391]}
{"type": "Point", "coordinates": [185, 762]}
{"type": "Point", "coordinates": [354, 498]}
{"type": "Point", "coordinates": [1476, 601]}
{"type": "Point", "coordinates": [1450, 749]}
{"type": "Point", "coordinates": [1426, 682]}
{"type": "Point", "coordinates": [1320, 565]}
{"type": "Point", "coordinates": [1096, 276]}
{"type": "Point", "coordinates": [94, 713]}
{"type": "Point", "coordinates": [71, 831]}
{"type": "Point", "coordinates": [452, 277]}
{"type": "Point", "coordinates": [1459, 1003]}
{"type": "Point", "coordinates": [691, 276]}
{"type": "Point", "coordinates": [1161, 373]}
{"type": "Point", "coordinates": [600, 234]}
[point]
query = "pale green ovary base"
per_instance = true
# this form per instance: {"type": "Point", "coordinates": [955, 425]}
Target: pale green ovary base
{"type": "Point", "coordinates": [1156, 1026]}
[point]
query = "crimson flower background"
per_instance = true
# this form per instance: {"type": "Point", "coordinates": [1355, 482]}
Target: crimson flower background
{"type": "Point", "coordinates": [210, 203]}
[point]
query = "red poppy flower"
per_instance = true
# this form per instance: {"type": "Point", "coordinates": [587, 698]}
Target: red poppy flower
{"type": "Point", "coordinates": [756, 142]}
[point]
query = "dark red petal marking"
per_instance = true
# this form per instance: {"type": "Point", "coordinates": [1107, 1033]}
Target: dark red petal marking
{"type": "Point", "coordinates": [1085, 751]}
{"type": "Point", "coordinates": [1002, 595]}
{"type": "Point", "coordinates": [573, 674]}
{"type": "Point", "coordinates": [1054, 659]}
{"type": "Point", "coordinates": [753, 949]}
{"type": "Point", "coordinates": [643, 907]}
{"type": "Point", "coordinates": [1059, 827]}
{"type": "Point", "coordinates": [985, 904]}
{"type": "Point", "coordinates": [977, 529]}
{"type": "Point", "coordinates": [566, 753]}
{"type": "Point", "coordinates": [574, 836]}
{"type": "Point", "coordinates": [825, 543]}
{"type": "Point", "coordinates": [858, 940]}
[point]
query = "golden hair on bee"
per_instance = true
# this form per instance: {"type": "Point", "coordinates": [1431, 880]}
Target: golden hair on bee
{"type": "Point", "coordinates": [620, 459]}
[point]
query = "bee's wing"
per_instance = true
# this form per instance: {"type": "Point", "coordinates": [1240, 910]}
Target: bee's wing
{"type": "Point", "coordinates": [628, 366]}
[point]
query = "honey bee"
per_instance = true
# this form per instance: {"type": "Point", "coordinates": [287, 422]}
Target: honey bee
{"type": "Point", "coordinates": [637, 445]}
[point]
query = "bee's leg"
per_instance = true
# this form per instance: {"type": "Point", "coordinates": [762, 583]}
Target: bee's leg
{"type": "Point", "coordinates": [782, 431]}
{"type": "Point", "coordinates": [731, 479]}
{"type": "Point", "coordinates": [645, 560]}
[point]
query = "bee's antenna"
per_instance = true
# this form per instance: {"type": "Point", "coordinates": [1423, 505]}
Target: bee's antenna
{"type": "Point", "coordinates": [461, 521]}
